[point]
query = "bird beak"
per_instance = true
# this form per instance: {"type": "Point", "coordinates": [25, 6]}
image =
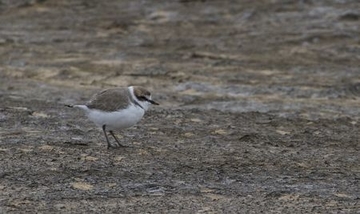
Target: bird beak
{"type": "Point", "coordinates": [153, 102]}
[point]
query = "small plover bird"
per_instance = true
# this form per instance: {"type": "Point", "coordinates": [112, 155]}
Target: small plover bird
{"type": "Point", "coordinates": [119, 108]}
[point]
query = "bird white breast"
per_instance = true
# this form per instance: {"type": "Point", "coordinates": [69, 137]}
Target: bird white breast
{"type": "Point", "coordinates": [117, 120]}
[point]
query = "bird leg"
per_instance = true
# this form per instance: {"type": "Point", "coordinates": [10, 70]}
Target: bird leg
{"type": "Point", "coordinates": [117, 141]}
{"type": "Point", "coordinates": [107, 139]}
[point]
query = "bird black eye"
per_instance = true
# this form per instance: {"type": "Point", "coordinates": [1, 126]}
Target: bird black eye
{"type": "Point", "coordinates": [143, 98]}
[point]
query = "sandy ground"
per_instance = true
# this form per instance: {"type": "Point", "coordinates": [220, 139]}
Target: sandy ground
{"type": "Point", "coordinates": [259, 106]}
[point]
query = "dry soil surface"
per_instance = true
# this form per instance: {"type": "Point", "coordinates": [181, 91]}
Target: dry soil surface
{"type": "Point", "coordinates": [259, 106]}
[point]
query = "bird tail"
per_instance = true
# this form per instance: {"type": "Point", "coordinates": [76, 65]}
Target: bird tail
{"type": "Point", "coordinates": [82, 107]}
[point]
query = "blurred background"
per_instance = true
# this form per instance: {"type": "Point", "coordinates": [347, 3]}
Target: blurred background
{"type": "Point", "coordinates": [295, 58]}
{"type": "Point", "coordinates": [259, 106]}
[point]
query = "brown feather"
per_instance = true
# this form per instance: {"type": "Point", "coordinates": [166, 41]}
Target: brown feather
{"type": "Point", "coordinates": [140, 91]}
{"type": "Point", "coordinates": [111, 99]}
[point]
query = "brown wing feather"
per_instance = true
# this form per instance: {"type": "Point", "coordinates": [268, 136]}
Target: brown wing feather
{"type": "Point", "coordinates": [110, 99]}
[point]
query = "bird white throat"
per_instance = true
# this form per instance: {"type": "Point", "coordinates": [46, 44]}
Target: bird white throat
{"type": "Point", "coordinates": [119, 108]}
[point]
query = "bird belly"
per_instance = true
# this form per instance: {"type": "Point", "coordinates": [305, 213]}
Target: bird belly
{"type": "Point", "coordinates": [117, 120]}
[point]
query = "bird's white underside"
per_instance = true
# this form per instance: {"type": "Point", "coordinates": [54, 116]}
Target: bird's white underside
{"type": "Point", "coordinates": [117, 120]}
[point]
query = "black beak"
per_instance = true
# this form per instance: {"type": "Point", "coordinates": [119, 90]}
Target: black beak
{"type": "Point", "coordinates": [150, 101]}
{"type": "Point", "coordinates": [153, 102]}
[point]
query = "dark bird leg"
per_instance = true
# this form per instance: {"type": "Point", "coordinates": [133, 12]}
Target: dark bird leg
{"type": "Point", "coordinates": [117, 141]}
{"type": "Point", "coordinates": [107, 139]}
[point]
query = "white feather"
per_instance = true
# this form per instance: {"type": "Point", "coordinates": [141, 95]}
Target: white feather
{"type": "Point", "coordinates": [117, 120]}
